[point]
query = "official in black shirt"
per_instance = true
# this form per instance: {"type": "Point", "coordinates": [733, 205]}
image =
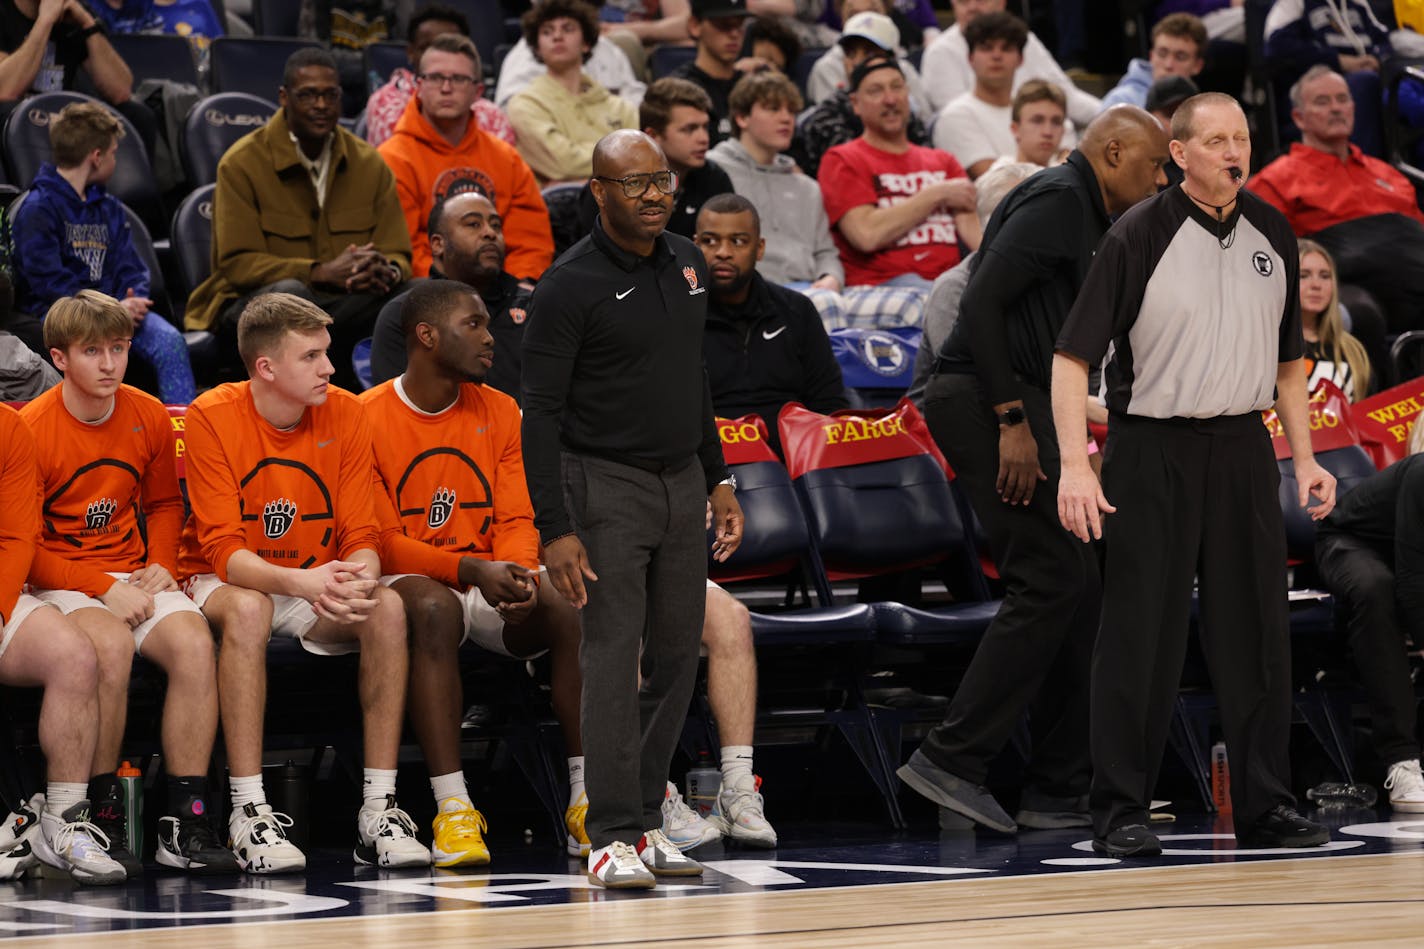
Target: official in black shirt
{"type": "Point", "coordinates": [765, 345]}
{"type": "Point", "coordinates": [466, 244]}
{"type": "Point", "coordinates": [988, 408]}
{"type": "Point", "coordinates": [622, 457]}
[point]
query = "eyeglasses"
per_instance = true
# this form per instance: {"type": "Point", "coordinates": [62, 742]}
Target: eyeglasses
{"type": "Point", "coordinates": [635, 186]}
{"type": "Point", "coordinates": [307, 95]}
{"type": "Point", "coordinates": [440, 78]}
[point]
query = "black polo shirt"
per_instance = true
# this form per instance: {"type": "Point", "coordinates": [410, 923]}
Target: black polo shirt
{"type": "Point", "coordinates": [695, 188]}
{"type": "Point", "coordinates": [508, 305]}
{"type": "Point", "coordinates": [1034, 257]}
{"type": "Point", "coordinates": [613, 366]}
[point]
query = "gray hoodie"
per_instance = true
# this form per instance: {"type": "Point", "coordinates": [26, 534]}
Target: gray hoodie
{"type": "Point", "coordinates": [793, 219]}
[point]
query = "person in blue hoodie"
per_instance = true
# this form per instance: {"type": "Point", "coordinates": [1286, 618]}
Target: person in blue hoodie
{"type": "Point", "coordinates": [70, 234]}
{"type": "Point", "coordinates": [1178, 49]}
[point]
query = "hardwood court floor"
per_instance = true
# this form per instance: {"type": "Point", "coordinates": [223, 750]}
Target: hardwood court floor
{"type": "Point", "coordinates": [1340, 898]}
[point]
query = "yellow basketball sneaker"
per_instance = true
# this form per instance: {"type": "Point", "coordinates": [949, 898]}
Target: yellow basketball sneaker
{"type": "Point", "coordinates": [574, 817]}
{"type": "Point", "coordinates": [457, 836]}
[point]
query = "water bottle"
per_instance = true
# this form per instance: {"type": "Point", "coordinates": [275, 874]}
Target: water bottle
{"type": "Point", "coordinates": [290, 794]}
{"type": "Point", "coordinates": [1220, 778]}
{"type": "Point", "coordinates": [704, 782]}
{"type": "Point", "coordinates": [131, 780]}
{"type": "Point", "coordinates": [1337, 795]}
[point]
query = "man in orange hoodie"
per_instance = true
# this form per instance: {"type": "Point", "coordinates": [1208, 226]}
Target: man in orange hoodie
{"type": "Point", "coordinates": [437, 151]}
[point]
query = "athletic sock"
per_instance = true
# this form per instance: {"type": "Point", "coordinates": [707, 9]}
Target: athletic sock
{"type": "Point", "coordinates": [736, 762]}
{"type": "Point", "coordinates": [376, 786]}
{"type": "Point", "coordinates": [247, 790]}
{"type": "Point", "coordinates": [60, 796]}
{"type": "Point", "coordinates": [576, 789]}
{"type": "Point", "coordinates": [446, 786]}
{"type": "Point", "coordinates": [187, 796]}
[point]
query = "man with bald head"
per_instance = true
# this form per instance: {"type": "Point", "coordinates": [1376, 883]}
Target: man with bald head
{"type": "Point", "coordinates": [1194, 293]}
{"type": "Point", "coordinates": [623, 460]}
{"type": "Point", "coordinates": [988, 407]}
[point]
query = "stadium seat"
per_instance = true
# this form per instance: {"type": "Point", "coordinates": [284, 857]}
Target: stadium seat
{"type": "Point", "coordinates": [275, 17]}
{"type": "Point", "coordinates": [26, 141]}
{"type": "Point", "coordinates": [193, 238]}
{"type": "Point", "coordinates": [877, 365]}
{"type": "Point", "coordinates": [562, 200]}
{"type": "Point", "coordinates": [487, 27]}
{"type": "Point", "coordinates": [156, 56]}
{"type": "Point", "coordinates": [361, 362]}
{"type": "Point", "coordinates": [665, 59]}
{"type": "Point", "coordinates": [251, 65]}
{"type": "Point", "coordinates": [214, 125]}
{"type": "Point", "coordinates": [1350, 466]}
{"type": "Point", "coordinates": [801, 69]}
{"type": "Point", "coordinates": [382, 59]}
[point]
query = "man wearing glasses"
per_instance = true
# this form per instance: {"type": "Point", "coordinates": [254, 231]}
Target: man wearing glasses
{"type": "Point", "coordinates": [438, 150]}
{"type": "Point", "coordinates": [305, 207]}
{"type": "Point", "coordinates": [622, 459]}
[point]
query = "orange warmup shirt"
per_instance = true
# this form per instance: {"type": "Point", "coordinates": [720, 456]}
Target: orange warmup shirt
{"type": "Point", "coordinates": [19, 507]}
{"type": "Point", "coordinates": [452, 483]}
{"type": "Point", "coordinates": [94, 480]}
{"type": "Point", "coordinates": [299, 498]}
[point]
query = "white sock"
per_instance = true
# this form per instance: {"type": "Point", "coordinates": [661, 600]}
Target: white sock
{"type": "Point", "coordinates": [247, 791]}
{"type": "Point", "coordinates": [736, 763]}
{"type": "Point", "coordinates": [60, 796]}
{"type": "Point", "coordinates": [576, 789]}
{"type": "Point", "coordinates": [446, 786]}
{"type": "Point", "coordinates": [376, 785]}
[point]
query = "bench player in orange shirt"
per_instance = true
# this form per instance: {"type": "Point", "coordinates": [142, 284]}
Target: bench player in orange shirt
{"type": "Point", "coordinates": [283, 540]}
{"type": "Point", "coordinates": [459, 546]}
{"type": "Point", "coordinates": [108, 460]}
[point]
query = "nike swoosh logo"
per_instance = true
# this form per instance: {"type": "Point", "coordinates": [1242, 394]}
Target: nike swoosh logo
{"type": "Point", "coordinates": [774, 333]}
{"type": "Point", "coordinates": [922, 255]}
{"type": "Point", "coordinates": [325, 443]}
{"type": "Point", "coordinates": [619, 296]}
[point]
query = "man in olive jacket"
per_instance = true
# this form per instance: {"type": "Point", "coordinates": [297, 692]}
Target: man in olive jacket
{"type": "Point", "coordinates": [305, 207]}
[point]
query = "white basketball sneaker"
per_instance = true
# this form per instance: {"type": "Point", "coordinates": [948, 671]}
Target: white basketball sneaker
{"type": "Point", "coordinates": [69, 842]}
{"type": "Point", "coordinates": [683, 826]}
{"type": "Point", "coordinates": [386, 837]}
{"type": "Point", "coordinates": [258, 839]}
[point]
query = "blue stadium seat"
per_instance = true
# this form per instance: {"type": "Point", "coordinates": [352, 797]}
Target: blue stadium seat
{"type": "Point", "coordinates": [801, 69]}
{"type": "Point", "coordinates": [361, 362]}
{"type": "Point", "coordinates": [487, 27]}
{"type": "Point", "coordinates": [193, 238]}
{"type": "Point", "coordinates": [877, 365]}
{"type": "Point", "coordinates": [275, 17]}
{"type": "Point", "coordinates": [26, 143]}
{"type": "Point", "coordinates": [381, 60]}
{"type": "Point", "coordinates": [665, 59]}
{"type": "Point", "coordinates": [214, 125]}
{"type": "Point", "coordinates": [156, 56]}
{"type": "Point", "coordinates": [251, 65]}
{"type": "Point", "coordinates": [1350, 466]}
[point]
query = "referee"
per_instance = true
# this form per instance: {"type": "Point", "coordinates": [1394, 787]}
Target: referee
{"type": "Point", "coordinates": [621, 454]}
{"type": "Point", "coordinates": [1196, 292]}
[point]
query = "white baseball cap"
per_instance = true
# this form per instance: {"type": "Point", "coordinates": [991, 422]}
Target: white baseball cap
{"type": "Point", "coordinates": [875, 27]}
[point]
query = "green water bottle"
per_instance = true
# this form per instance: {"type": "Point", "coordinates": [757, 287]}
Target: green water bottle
{"type": "Point", "coordinates": [131, 780]}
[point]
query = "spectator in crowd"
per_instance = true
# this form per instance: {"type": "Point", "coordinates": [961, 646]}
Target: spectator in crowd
{"type": "Point", "coordinates": [304, 206]}
{"type": "Point", "coordinates": [1370, 555]}
{"type": "Point", "coordinates": [1165, 95]}
{"type": "Point", "coordinates": [108, 559]}
{"type": "Point", "coordinates": [871, 33]}
{"type": "Point", "coordinates": [942, 303]}
{"type": "Point", "coordinates": [899, 210]}
{"type": "Point", "coordinates": [1359, 207]}
{"type": "Point", "coordinates": [347, 28]}
{"type": "Point", "coordinates": [303, 564]}
{"type": "Point", "coordinates": [770, 40]}
{"type": "Point", "coordinates": [718, 27]}
{"type": "Point", "coordinates": [834, 121]}
{"type": "Point", "coordinates": [1343, 35]}
{"type": "Point", "coordinates": [466, 570]}
{"type": "Point", "coordinates": [438, 150]}
{"type": "Point", "coordinates": [1330, 351]}
{"type": "Point", "coordinates": [194, 20]}
{"type": "Point", "coordinates": [70, 234]}
{"type": "Point", "coordinates": [764, 345]}
{"type": "Point", "coordinates": [1039, 116]}
{"type": "Point", "coordinates": [916, 20]}
{"type": "Point", "coordinates": [46, 42]}
{"type": "Point", "coordinates": [39, 647]}
{"type": "Point", "coordinates": [466, 245]}
{"type": "Point", "coordinates": [675, 114]}
{"type": "Point", "coordinates": [384, 108]}
{"type": "Point", "coordinates": [1224, 20]}
{"type": "Point", "coordinates": [1178, 49]}
{"type": "Point", "coordinates": [946, 71]}
{"type": "Point", "coordinates": [636, 26]}
{"type": "Point", "coordinates": [607, 65]}
{"type": "Point", "coordinates": [974, 127]}
{"type": "Point", "coordinates": [563, 113]}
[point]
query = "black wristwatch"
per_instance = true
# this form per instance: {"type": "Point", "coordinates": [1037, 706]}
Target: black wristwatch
{"type": "Point", "coordinates": [1012, 416]}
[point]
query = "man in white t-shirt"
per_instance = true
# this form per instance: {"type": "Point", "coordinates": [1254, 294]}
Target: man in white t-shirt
{"type": "Point", "coordinates": [946, 71]}
{"type": "Point", "coordinates": [975, 126]}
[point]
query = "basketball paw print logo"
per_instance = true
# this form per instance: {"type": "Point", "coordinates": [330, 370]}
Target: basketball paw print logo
{"type": "Point", "coordinates": [277, 517]}
{"type": "Point", "coordinates": [99, 513]}
{"type": "Point", "coordinates": [442, 505]}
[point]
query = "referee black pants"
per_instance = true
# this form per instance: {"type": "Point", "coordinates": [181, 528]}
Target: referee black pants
{"type": "Point", "coordinates": [1194, 498]}
{"type": "Point", "coordinates": [1034, 656]}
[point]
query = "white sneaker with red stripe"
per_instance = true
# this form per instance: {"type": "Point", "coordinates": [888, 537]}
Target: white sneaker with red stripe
{"type": "Point", "coordinates": [662, 856]}
{"type": "Point", "coordinates": [617, 867]}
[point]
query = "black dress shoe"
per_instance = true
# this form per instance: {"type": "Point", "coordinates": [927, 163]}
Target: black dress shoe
{"type": "Point", "coordinates": [1282, 826]}
{"type": "Point", "coordinates": [1130, 840]}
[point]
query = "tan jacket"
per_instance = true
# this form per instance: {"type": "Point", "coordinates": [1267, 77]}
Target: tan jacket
{"type": "Point", "coordinates": [557, 130]}
{"type": "Point", "coordinates": [268, 226]}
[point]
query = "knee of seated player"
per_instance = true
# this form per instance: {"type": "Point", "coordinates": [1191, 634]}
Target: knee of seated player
{"type": "Point", "coordinates": [112, 639]}
{"type": "Point", "coordinates": [66, 659]}
{"type": "Point", "coordinates": [386, 621]}
{"type": "Point", "coordinates": [182, 645]}
{"type": "Point", "coordinates": [727, 624]}
{"type": "Point", "coordinates": [242, 618]}
{"type": "Point", "coordinates": [434, 619]}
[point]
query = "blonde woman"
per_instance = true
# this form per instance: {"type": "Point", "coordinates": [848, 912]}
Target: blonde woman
{"type": "Point", "coordinates": [1330, 351]}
